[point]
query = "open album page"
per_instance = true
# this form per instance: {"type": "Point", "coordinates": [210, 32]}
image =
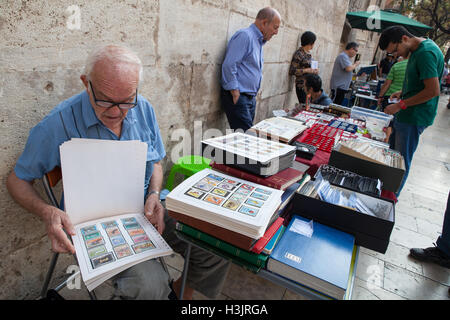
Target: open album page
{"type": "Point", "coordinates": [107, 246]}
{"type": "Point", "coordinates": [285, 129]}
{"type": "Point", "coordinates": [102, 178]}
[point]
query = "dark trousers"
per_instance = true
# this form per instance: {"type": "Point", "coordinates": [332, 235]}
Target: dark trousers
{"type": "Point", "coordinates": [241, 114]}
{"type": "Point", "coordinates": [301, 94]}
{"type": "Point", "coordinates": [443, 242]}
{"type": "Point", "coordinates": [339, 95]}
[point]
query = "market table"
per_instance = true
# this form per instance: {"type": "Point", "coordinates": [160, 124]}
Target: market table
{"type": "Point", "coordinates": [264, 273]}
{"type": "Point", "coordinates": [359, 96]}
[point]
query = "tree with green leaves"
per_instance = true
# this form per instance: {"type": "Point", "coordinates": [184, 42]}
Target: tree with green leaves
{"type": "Point", "coordinates": [434, 13]}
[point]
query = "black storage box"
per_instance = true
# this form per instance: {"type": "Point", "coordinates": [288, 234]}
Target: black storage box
{"type": "Point", "coordinates": [390, 176]}
{"type": "Point", "coordinates": [370, 232]}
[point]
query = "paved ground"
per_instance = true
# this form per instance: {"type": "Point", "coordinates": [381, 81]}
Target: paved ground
{"type": "Point", "coordinates": [390, 276]}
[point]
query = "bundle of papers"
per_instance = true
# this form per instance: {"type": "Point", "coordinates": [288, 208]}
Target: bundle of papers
{"type": "Point", "coordinates": [103, 184]}
{"type": "Point", "coordinates": [225, 201]}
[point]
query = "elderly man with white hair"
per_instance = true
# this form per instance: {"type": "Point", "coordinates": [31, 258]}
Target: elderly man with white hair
{"type": "Point", "coordinates": [111, 108]}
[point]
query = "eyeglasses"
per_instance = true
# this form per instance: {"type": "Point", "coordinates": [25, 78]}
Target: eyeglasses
{"type": "Point", "coordinates": [110, 104]}
{"type": "Point", "coordinates": [395, 51]}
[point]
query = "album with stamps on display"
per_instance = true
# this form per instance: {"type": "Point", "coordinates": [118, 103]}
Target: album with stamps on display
{"type": "Point", "coordinates": [249, 153]}
{"type": "Point", "coordinates": [228, 202]}
{"type": "Point", "coordinates": [103, 184]}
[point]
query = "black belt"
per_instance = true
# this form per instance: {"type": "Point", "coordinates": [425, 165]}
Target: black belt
{"type": "Point", "coordinates": [247, 95]}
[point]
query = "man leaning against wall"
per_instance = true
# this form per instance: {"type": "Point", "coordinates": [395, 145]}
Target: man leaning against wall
{"type": "Point", "coordinates": [242, 68]}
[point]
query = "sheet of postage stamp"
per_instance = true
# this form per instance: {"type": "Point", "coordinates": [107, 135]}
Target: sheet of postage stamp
{"type": "Point", "coordinates": [230, 194]}
{"type": "Point", "coordinates": [95, 242]}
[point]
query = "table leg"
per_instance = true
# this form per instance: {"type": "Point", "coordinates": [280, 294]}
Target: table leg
{"type": "Point", "coordinates": [185, 270]}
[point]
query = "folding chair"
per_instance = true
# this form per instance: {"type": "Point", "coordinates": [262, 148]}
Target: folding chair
{"type": "Point", "coordinates": [50, 180]}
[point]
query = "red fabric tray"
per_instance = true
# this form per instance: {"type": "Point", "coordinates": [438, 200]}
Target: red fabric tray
{"type": "Point", "coordinates": [321, 136]}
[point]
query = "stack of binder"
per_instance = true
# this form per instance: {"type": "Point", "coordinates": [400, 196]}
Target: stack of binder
{"type": "Point", "coordinates": [253, 258]}
{"type": "Point", "coordinates": [232, 209]}
{"type": "Point", "coordinates": [236, 208]}
{"type": "Point", "coordinates": [243, 225]}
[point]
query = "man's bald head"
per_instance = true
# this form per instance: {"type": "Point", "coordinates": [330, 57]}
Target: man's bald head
{"type": "Point", "coordinates": [268, 21]}
{"type": "Point", "coordinates": [267, 13]}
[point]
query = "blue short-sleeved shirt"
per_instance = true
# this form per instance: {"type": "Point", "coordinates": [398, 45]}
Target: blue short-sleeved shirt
{"type": "Point", "coordinates": [75, 118]}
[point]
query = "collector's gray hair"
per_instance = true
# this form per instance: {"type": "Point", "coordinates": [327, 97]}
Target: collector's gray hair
{"type": "Point", "coordinates": [113, 53]}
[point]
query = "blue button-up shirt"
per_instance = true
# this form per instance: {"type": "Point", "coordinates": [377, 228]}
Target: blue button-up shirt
{"type": "Point", "coordinates": [323, 100]}
{"type": "Point", "coordinates": [243, 63]}
{"type": "Point", "coordinates": [75, 118]}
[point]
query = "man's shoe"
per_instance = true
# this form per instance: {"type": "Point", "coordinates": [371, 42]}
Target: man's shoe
{"type": "Point", "coordinates": [172, 294]}
{"type": "Point", "coordinates": [431, 254]}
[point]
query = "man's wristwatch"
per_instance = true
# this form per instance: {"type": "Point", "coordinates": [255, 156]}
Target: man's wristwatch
{"type": "Point", "coordinates": [153, 192]}
{"type": "Point", "coordinates": [402, 104]}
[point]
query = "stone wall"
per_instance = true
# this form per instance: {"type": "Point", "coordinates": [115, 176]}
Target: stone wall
{"type": "Point", "coordinates": [367, 40]}
{"type": "Point", "coordinates": [181, 43]}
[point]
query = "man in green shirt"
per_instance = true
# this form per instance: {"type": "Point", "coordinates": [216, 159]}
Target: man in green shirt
{"type": "Point", "coordinates": [393, 83]}
{"type": "Point", "coordinates": [394, 80]}
{"type": "Point", "coordinates": [420, 93]}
